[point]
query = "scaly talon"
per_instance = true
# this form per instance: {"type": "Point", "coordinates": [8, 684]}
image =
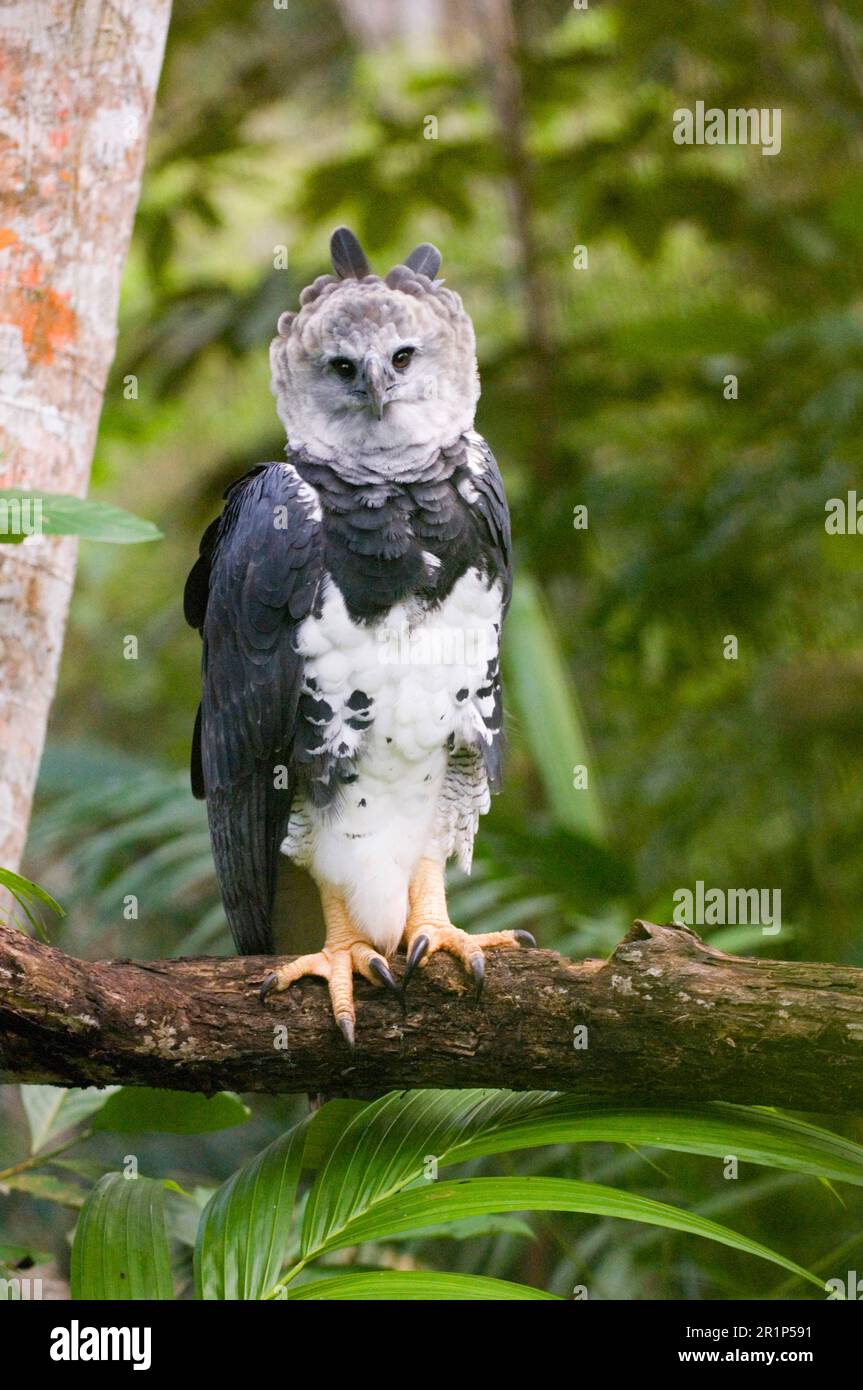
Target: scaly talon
{"type": "Point", "coordinates": [266, 985]}
{"type": "Point", "coordinates": [416, 951]}
{"type": "Point", "coordinates": [344, 953]}
{"type": "Point", "coordinates": [380, 968]}
{"type": "Point", "coordinates": [429, 929]}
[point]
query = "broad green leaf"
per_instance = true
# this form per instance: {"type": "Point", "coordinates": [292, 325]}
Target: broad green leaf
{"type": "Point", "coordinates": [473, 1226]}
{"type": "Point", "coordinates": [183, 1211]}
{"type": "Point", "coordinates": [135, 1108]}
{"type": "Point", "coordinates": [752, 1135]}
{"type": "Point", "coordinates": [466, 1197]}
{"type": "Point", "coordinates": [120, 1250]}
{"type": "Point", "coordinates": [57, 514]}
{"type": "Point", "coordinates": [416, 1284]}
{"type": "Point", "coordinates": [29, 897]}
{"type": "Point", "coordinates": [552, 720]}
{"type": "Point", "coordinates": [25, 888]}
{"type": "Point", "coordinates": [246, 1226]}
{"type": "Point", "coordinates": [400, 1138]}
{"type": "Point", "coordinates": [328, 1125]}
{"type": "Point", "coordinates": [51, 1110]}
{"type": "Point", "coordinates": [392, 1142]}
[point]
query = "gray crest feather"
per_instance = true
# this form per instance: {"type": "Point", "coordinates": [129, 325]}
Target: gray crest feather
{"type": "Point", "coordinates": [349, 260]}
{"type": "Point", "coordinates": [424, 259]}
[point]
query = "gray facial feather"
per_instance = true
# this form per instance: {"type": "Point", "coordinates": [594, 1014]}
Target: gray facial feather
{"type": "Point", "coordinates": [346, 390]}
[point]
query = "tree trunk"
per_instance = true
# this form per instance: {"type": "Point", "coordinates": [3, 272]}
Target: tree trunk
{"type": "Point", "coordinates": [77, 85]}
{"type": "Point", "coordinates": [666, 1019]}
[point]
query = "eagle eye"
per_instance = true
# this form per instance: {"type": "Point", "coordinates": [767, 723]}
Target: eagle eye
{"type": "Point", "coordinates": [402, 357]}
{"type": "Point", "coordinates": [344, 367]}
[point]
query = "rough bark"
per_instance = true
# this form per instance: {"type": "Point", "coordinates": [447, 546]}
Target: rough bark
{"type": "Point", "coordinates": [77, 85]}
{"type": "Point", "coordinates": [667, 1019]}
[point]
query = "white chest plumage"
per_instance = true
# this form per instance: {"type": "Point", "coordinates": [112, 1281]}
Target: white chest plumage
{"type": "Point", "coordinates": [402, 697]}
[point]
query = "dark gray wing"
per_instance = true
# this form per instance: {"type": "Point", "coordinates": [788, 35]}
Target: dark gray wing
{"type": "Point", "coordinates": [256, 579]}
{"type": "Point", "coordinates": [488, 501]}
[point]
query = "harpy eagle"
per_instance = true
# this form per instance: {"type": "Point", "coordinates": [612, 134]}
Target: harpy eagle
{"type": "Point", "coordinates": [350, 602]}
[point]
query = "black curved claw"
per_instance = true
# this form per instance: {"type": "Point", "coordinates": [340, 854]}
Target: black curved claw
{"type": "Point", "coordinates": [524, 938]}
{"type": "Point", "coordinates": [477, 969]}
{"type": "Point", "coordinates": [386, 977]}
{"type": "Point", "coordinates": [418, 949]}
{"type": "Point", "coordinates": [346, 1024]}
{"type": "Point", "coordinates": [267, 985]}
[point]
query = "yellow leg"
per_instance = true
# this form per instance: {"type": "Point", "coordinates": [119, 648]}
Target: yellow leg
{"type": "Point", "coordinates": [345, 950]}
{"type": "Point", "coordinates": [429, 928]}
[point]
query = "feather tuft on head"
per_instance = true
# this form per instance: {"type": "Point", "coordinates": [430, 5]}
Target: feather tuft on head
{"type": "Point", "coordinates": [408, 331]}
{"type": "Point", "coordinates": [425, 259]}
{"type": "Point", "coordinates": [349, 259]}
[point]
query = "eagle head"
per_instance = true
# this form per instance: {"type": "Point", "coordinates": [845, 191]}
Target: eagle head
{"type": "Point", "coordinates": [379, 372]}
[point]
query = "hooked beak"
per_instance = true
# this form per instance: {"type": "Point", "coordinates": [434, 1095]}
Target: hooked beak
{"type": "Point", "coordinates": [376, 384]}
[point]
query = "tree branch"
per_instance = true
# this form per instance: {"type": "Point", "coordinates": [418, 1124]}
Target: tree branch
{"type": "Point", "coordinates": [667, 1018]}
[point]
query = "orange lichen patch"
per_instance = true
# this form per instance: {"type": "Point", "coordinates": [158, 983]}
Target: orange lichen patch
{"type": "Point", "coordinates": [7, 237]}
{"type": "Point", "coordinates": [44, 316]}
{"type": "Point", "coordinates": [12, 72]}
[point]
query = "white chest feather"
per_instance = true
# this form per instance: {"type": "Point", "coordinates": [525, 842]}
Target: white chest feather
{"type": "Point", "coordinates": [397, 696]}
{"type": "Point", "coordinates": [420, 669]}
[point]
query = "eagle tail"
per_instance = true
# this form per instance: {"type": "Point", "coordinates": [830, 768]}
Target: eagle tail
{"type": "Point", "coordinates": [246, 865]}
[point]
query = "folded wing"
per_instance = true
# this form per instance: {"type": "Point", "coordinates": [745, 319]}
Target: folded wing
{"type": "Point", "coordinates": [256, 578]}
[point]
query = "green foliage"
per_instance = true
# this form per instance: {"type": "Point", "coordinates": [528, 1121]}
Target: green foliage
{"type": "Point", "coordinates": [29, 897]}
{"type": "Point", "coordinates": [546, 703]}
{"type": "Point", "coordinates": [387, 1284]}
{"type": "Point", "coordinates": [455, 1201]}
{"type": "Point", "coordinates": [376, 1177]}
{"type": "Point", "coordinates": [364, 1175]}
{"type": "Point", "coordinates": [61, 515]}
{"type": "Point", "coordinates": [371, 1181]}
{"type": "Point", "coordinates": [134, 1109]}
{"type": "Point", "coordinates": [120, 1250]}
{"type": "Point", "coordinates": [53, 1110]}
{"type": "Point", "coordinates": [245, 1229]}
